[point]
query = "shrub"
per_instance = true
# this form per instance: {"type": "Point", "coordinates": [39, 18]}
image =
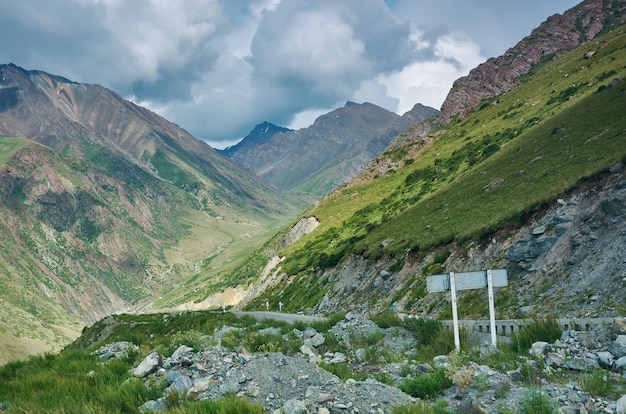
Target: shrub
{"type": "Point", "coordinates": [387, 320]}
{"type": "Point", "coordinates": [547, 330]}
{"type": "Point", "coordinates": [414, 408]}
{"type": "Point", "coordinates": [426, 330]}
{"type": "Point", "coordinates": [537, 403]}
{"type": "Point", "coordinates": [428, 385]}
{"type": "Point", "coordinates": [597, 382]}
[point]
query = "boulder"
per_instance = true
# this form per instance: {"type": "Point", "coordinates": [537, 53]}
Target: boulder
{"type": "Point", "coordinates": [294, 406]}
{"type": "Point", "coordinates": [153, 406]}
{"type": "Point", "coordinates": [181, 384]}
{"type": "Point", "coordinates": [582, 364]}
{"type": "Point", "coordinates": [539, 348]}
{"type": "Point", "coordinates": [618, 347]}
{"type": "Point", "coordinates": [619, 326]}
{"type": "Point", "coordinates": [554, 360]}
{"type": "Point", "coordinates": [149, 364]}
{"type": "Point", "coordinates": [619, 365]}
{"type": "Point", "coordinates": [621, 405]}
{"type": "Point", "coordinates": [529, 248]}
{"type": "Point", "coordinates": [605, 359]}
{"type": "Point", "coordinates": [315, 341]}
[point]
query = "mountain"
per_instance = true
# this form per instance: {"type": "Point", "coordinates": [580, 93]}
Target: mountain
{"type": "Point", "coordinates": [338, 146]}
{"type": "Point", "coordinates": [531, 179]}
{"type": "Point", "coordinates": [558, 34]}
{"type": "Point", "coordinates": [104, 205]}
{"type": "Point", "coordinates": [258, 136]}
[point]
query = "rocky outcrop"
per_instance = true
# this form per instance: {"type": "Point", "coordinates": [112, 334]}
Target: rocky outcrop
{"type": "Point", "coordinates": [568, 259]}
{"type": "Point", "coordinates": [298, 384]}
{"type": "Point", "coordinates": [556, 35]}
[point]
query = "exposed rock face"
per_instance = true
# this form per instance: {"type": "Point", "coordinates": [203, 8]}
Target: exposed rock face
{"type": "Point", "coordinates": [560, 247]}
{"type": "Point", "coordinates": [559, 33]}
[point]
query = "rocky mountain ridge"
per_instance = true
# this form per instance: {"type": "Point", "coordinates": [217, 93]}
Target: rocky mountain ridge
{"type": "Point", "coordinates": [558, 34]}
{"type": "Point", "coordinates": [338, 146]}
{"type": "Point", "coordinates": [258, 136]}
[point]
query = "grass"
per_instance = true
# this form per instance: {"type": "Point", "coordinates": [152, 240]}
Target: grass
{"type": "Point", "coordinates": [10, 145]}
{"type": "Point", "coordinates": [547, 330]}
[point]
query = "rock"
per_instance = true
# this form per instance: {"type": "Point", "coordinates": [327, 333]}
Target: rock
{"type": "Point", "coordinates": [153, 406]}
{"type": "Point", "coordinates": [605, 359]}
{"type": "Point", "coordinates": [441, 361]}
{"type": "Point", "coordinates": [337, 358]}
{"type": "Point", "coordinates": [423, 369]}
{"type": "Point", "coordinates": [619, 326]}
{"type": "Point", "coordinates": [323, 410]}
{"type": "Point", "coordinates": [554, 360]}
{"type": "Point", "coordinates": [116, 350]}
{"type": "Point", "coordinates": [149, 364]}
{"type": "Point", "coordinates": [316, 340]}
{"type": "Point", "coordinates": [621, 405]}
{"type": "Point", "coordinates": [360, 355]}
{"type": "Point", "coordinates": [294, 406]}
{"type": "Point", "coordinates": [619, 365]}
{"type": "Point", "coordinates": [537, 231]}
{"type": "Point", "coordinates": [539, 348]}
{"type": "Point", "coordinates": [182, 384]}
{"type": "Point", "coordinates": [253, 390]}
{"type": "Point", "coordinates": [529, 248]}
{"type": "Point", "coordinates": [618, 347]}
{"type": "Point", "coordinates": [582, 364]}
{"type": "Point", "coordinates": [180, 352]}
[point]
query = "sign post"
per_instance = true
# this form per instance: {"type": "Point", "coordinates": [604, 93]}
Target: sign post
{"type": "Point", "coordinates": [455, 315]}
{"type": "Point", "coordinates": [469, 280]}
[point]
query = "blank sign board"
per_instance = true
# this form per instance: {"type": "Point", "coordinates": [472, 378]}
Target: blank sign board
{"type": "Point", "coordinates": [466, 280]}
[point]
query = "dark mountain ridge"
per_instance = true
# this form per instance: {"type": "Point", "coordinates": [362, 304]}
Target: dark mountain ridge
{"type": "Point", "coordinates": [333, 150]}
{"type": "Point", "coordinates": [258, 136]}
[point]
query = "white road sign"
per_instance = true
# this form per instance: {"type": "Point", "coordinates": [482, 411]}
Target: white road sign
{"type": "Point", "coordinates": [466, 280]}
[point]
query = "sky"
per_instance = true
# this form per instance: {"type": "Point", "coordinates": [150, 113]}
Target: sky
{"type": "Point", "coordinates": [219, 67]}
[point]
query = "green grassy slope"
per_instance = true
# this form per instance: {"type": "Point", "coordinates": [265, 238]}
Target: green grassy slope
{"type": "Point", "coordinates": [562, 123]}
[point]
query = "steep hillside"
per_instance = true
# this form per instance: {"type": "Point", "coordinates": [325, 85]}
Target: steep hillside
{"type": "Point", "coordinates": [557, 35]}
{"type": "Point", "coordinates": [465, 196]}
{"type": "Point", "coordinates": [338, 146]}
{"type": "Point", "coordinates": [104, 205]}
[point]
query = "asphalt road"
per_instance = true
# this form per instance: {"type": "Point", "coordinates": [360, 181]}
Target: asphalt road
{"type": "Point", "coordinates": [279, 316]}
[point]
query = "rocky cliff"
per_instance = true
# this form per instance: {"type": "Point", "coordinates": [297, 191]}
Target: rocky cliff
{"type": "Point", "coordinates": [556, 35]}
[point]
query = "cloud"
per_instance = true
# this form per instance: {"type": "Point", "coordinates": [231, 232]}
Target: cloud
{"type": "Point", "coordinates": [219, 67]}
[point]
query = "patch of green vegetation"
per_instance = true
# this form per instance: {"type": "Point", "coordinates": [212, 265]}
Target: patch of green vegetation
{"type": "Point", "coordinates": [9, 146]}
{"type": "Point", "coordinates": [75, 381]}
{"type": "Point", "coordinates": [536, 402]}
{"type": "Point", "coordinates": [426, 386]}
{"type": "Point", "coordinates": [547, 330]}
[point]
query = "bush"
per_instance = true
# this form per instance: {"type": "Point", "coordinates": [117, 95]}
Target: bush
{"type": "Point", "coordinates": [387, 320]}
{"type": "Point", "coordinates": [547, 330]}
{"type": "Point", "coordinates": [428, 385]}
{"type": "Point", "coordinates": [537, 403]}
{"type": "Point", "coordinates": [426, 330]}
{"type": "Point", "coordinates": [597, 382]}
